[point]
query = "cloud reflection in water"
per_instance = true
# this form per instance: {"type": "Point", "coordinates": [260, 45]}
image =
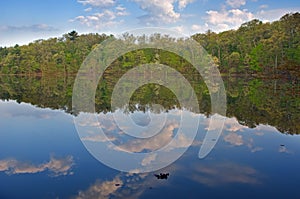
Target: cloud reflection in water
{"type": "Point", "coordinates": [56, 166]}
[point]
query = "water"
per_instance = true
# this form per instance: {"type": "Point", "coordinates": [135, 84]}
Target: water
{"type": "Point", "coordinates": [257, 155]}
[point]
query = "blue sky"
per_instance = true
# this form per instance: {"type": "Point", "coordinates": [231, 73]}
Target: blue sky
{"type": "Point", "coordinates": [24, 21]}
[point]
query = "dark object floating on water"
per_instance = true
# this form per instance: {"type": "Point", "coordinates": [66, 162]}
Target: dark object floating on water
{"type": "Point", "coordinates": [162, 175]}
{"type": "Point", "coordinates": [117, 185]}
{"type": "Point", "coordinates": [282, 145]}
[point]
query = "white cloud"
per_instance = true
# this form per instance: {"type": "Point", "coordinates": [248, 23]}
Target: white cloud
{"type": "Point", "coordinates": [5, 165]}
{"type": "Point", "coordinates": [256, 149]}
{"type": "Point", "coordinates": [158, 11]}
{"type": "Point", "coordinates": [225, 19]}
{"type": "Point", "coordinates": [221, 20]}
{"type": "Point", "coordinates": [264, 6]}
{"type": "Point", "coordinates": [120, 8]}
{"type": "Point", "coordinates": [179, 29]}
{"type": "Point", "coordinates": [234, 139]}
{"type": "Point", "coordinates": [88, 9]}
{"type": "Point", "coordinates": [57, 166]}
{"type": "Point", "coordinates": [276, 14]}
{"type": "Point", "coordinates": [153, 143]}
{"type": "Point", "coordinates": [222, 27]}
{"type": "Point", "coordinates": [225, 173]}
{"type": "Point", "coordinates": [148, 159]}
{"type": "Point", "coordinates": [158, 141]}
{"type": "Point", "coordinates": [60, 166]}
{"type": "Point", "coordinates": [97, 20]}
{"type": "Point", "coordinates": [199, 28]}
{"type": "Point", "coordinates": [12, 109]}
{"type": "Point", "coordinates": [196, 27]}
{"type": "Point", "coordinates": [233, 17]}
{"type": "Point", "coordinates": [283, 149]}
{"type": "Point", "coordinates": [236, 3]}
{"type": "Point", "coordinates": [101, 189]}
{"type": "Point", "coordinates": [253, 148]}
{"type": "Point", "coordinates": [233, 125]}
{"type": "Point", "coordinates": [265, 128]}
{"type": "Point", "coordinates": [124, 185]}
{"type": "Point", "coordinates": [106, 14]}
{"type": "Point", "coordinates": [97, 3]}
{"type": "Point", "coordinates": [132, 185]}
{"type": "Point", "coordinates": [182, 141]}
{"type": "Point", "coordinates": [102, 18]}
{"type": "Point", "coordinates": [259, 133]}
{"type": "Point", "coordinates": [121, 11]}
{"type": "Point", "coordinates": [98, 138]}
{"type": "Point", "coordinates": [183, 3]}
{"type": "Point", "coordinates": [30, 28]}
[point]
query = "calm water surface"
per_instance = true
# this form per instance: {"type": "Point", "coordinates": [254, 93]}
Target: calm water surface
{"type": "Point", "coordinates": [257, 155]}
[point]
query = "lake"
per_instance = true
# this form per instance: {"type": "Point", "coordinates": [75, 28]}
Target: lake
{"type": "Point", "coordinates": [43, 155]}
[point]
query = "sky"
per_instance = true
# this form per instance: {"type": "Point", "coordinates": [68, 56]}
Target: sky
{"type": "Point", "coordinates": [23, 21]}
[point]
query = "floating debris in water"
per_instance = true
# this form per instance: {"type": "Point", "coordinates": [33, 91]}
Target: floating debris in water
{"type": "Point", "coordinates": [162, 175]}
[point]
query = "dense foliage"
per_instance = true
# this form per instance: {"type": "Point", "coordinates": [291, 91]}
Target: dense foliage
{"type": "Point", "coordinates": [256, 47]}
{"type": "Point", "coordinates": [53, 56]}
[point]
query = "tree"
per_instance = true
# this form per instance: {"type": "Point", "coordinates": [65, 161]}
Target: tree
{"type": "Point", "coordinates": [73, 35]}
{"type": "Point", "coordinates": [234, 61]}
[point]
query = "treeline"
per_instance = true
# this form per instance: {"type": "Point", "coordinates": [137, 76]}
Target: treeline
{"type": "Point", "coordinates": [256, 47]}
{"type": "Point", "coordinates": [52, 56]}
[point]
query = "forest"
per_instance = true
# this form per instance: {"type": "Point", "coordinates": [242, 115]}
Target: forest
{"type": "Point", "coordinates": [255, 48]}
{"type": "Point", "coordinates": [250, 58]}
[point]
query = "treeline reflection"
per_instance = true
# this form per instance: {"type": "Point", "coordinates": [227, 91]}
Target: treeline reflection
{"type": "Point", "coordinates": [252, 101]}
